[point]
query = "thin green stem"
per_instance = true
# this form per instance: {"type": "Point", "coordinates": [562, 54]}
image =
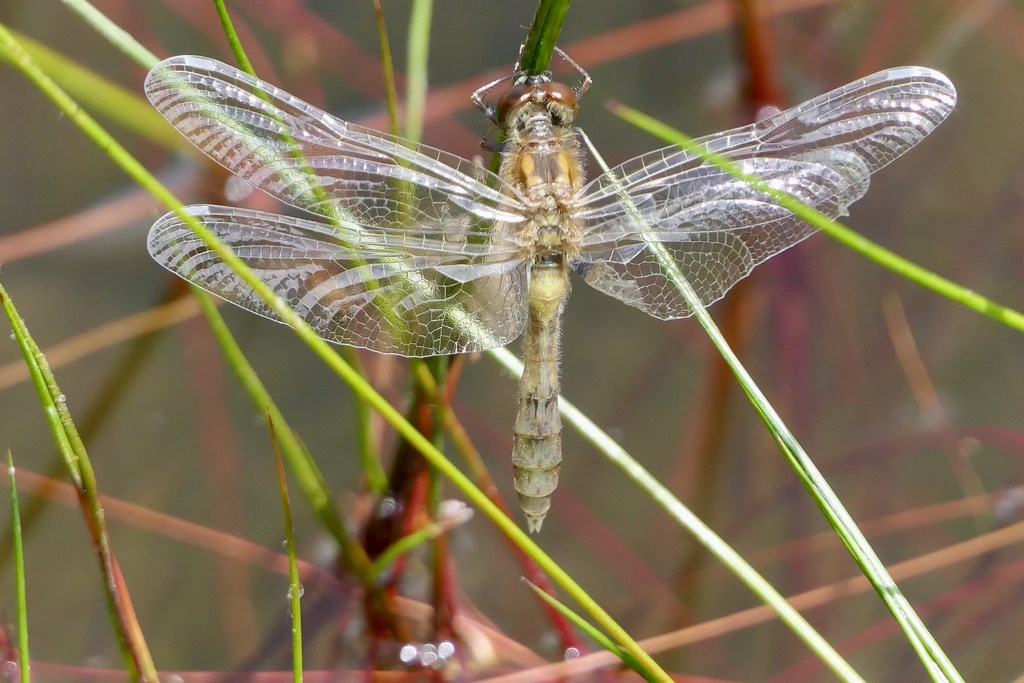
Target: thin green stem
{"type": "Point", "coordinates": [302, 466]}
{"type": "Point", "coordinates": [408, 543]}
{"type": "Point", "coordinates": [368, 457]}
{"type": "Point", "coordinates": [18, 556]}
{"type": "Point", "coordinates": [112, 32]}
{"type": "Point", "coordinates": [294, 585]}
{"type": "Point", "coordinates": [130, 639]}
{"type": "Point", "coordinates": [229, 32]}
{"type": "Point", "coordinates": [542, 36]}
{"type": "Point", "coordinates": [387, 67]}
{"type": "Point", "coordinates": [586, 627]}
{"type": "Point", "coordinates": [416, 68]}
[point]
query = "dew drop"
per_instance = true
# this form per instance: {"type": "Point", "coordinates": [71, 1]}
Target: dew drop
{"type": "Point", "coordinates": [388, 506]}
{"type": "Point", "coordinates": [428, 656]}
{"type": "Point", "coordinates": [236, 189]}
{"type": "Point", "coordinates": [408, 654]}
{"type": "Point", "coordinates": [571, 654]}
{"type": "Point", "coordinates": [1008, 505]}
{"type": "Point", "coordinates": [445, 649]}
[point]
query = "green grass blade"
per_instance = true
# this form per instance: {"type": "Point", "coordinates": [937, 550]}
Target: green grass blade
{"type": "Point", "coordinates": [299, 460]}
{"type": "Point", "coordinates": [18, 556]}
{"type": "Point", "coordinates": [542, 36]}
{"type": "Point", "coordinates": [112, 32]}
{"type": "Point", "coordinates": [931, 654]}
{"type": "Point", "coordinates": [229, 32]}
{"type": "Point", "coordinates": [294, 585]}
{"type": "Point", "coordinates": [122, 106]}
{"type": "Point", "coordinates": [133, 646]}
{"type": "Point", "coordinates": [588, 628]}
{"type": "Point", "coordinates": [326, 353]}
{"type": "Point", "coordinates": [369, 457]}
{"type": "Point", "coordinates": [416, 68]}
{"type": "Point", "coordinates": [387, 66]}
{"type": "Point", "coordinates": [302, 466]}
{"type": "Point", "coordinates": [410, 542]}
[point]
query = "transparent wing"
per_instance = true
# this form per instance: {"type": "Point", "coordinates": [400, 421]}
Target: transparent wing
{"type": "Point", "coordinates": [313, 161]}
{"type": "Point", "coordinates": [414, 256]}
{"type": "Point", "coordinates": [413, 296]}
{"type": "Point", "coordinates": [715, 228]}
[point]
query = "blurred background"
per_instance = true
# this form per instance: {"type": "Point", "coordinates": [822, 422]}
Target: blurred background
{"type": "Point", "coordinates": [910, 404]}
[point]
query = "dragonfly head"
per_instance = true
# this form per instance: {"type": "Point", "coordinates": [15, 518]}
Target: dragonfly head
{"type": "Point", "coordinates": [531, 95]}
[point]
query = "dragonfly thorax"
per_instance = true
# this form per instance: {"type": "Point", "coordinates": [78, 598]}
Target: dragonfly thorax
{"type": "Point", "coordinates": [542, 160]}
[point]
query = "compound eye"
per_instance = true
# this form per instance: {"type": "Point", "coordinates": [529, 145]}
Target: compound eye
{"type": "Point", "coordinates": [557, 98]}
{"type": "Point", "coordinates": [562, 94]}
{"type": "Point", "coordinates": [561, 101]}
{"type": "Point", "coordinates": [511, 100]}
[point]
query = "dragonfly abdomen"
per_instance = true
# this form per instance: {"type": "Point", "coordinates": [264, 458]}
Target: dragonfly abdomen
{"type": "Point", "coordinates": [537, 449]}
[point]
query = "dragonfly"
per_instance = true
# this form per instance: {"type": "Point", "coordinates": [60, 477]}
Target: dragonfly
{"type": "Point", "coordinates": [405, 249]}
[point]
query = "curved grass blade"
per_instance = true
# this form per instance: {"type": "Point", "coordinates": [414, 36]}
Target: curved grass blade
{"type": "Point", "coordinates": [126, 625]}
{"type": "Point", "coordinates": [369, 459]}
{"type": "Point", "coordinates": [416, 68]}
{"type": "Point", "coordinates": [410, 542]}
{"type": "Point", "coordinates": [588, 628]}
{"type": "Point", "coordinates": [116, 103]}
{"type": "Point", "coordinates": [294, 586]}
{"type": "Point", "coordinates": [302, 466]}
{"type": "Point", "coordinates": [233, 40]}
{"type": "Point", "coordinates": [112, 32]}
{"type": "Point", "coordinates": [387, 67]}
{"type": "Point", "coordinates": [18, 557]}
{"type": "Point", "coordinates": [542, 36]}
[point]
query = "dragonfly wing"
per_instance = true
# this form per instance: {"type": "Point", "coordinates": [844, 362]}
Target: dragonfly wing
{"type": "Point", "coordinates": [414, 255]}
{"type": "Point", "coordinates": [669, 213]}
{"type": "Point", "coordinates": [311, 160]}
{"type": "Point", "coordinates": [420, 297]}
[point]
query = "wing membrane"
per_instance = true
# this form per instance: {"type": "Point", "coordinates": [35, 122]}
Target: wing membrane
{"type": "Point", "coordinates": [311, 160]}
{"type": "Point", "coordinates": [716, 228]}
{"type": "Point", "coordinates": [419, 297]}
{"type": "Point", "coordinates": [414, 256]}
